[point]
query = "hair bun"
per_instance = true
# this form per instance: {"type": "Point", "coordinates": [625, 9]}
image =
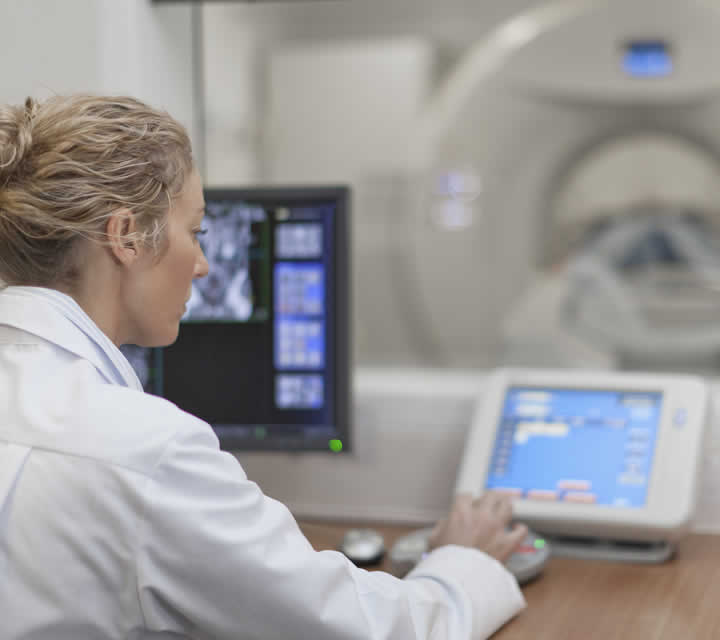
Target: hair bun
{"type": "Point", "coordinates": [15, 137]}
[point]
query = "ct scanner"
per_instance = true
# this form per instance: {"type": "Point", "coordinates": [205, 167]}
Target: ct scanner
{"type": "Point", "coordinates": [567, 191]}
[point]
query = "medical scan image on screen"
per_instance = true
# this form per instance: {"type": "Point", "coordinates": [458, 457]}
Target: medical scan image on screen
{"type": "Point", "coordinates": [576, 445]}
{"type": "Point", "coordinates": [236, 246]}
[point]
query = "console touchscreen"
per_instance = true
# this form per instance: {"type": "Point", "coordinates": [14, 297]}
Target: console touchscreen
{"type": "Point", "coordinates": [581, 446]}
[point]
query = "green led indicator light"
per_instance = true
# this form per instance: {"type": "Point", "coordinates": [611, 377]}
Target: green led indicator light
{"type": "Point", "coordinates": [335, 445]}
{"type": "Point", "coordinates": [260, 432]}
{"type": "Point", "coordinates": [539, 544]}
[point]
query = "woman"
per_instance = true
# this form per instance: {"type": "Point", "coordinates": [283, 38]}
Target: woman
{"type": "Point", "coordinates": [119, 515]}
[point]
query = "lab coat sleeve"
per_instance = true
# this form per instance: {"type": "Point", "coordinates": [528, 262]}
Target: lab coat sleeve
{"type": "Point", "coordinates": [216, 558]}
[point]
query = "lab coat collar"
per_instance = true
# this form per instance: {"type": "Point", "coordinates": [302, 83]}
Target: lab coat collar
{"type": "Point", "coordinates": [57, 318]}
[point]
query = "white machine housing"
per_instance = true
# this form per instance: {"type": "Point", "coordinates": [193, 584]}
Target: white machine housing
{"type": "Point", "coordinates": [536, 132]}
{"type": "Point", "coordinates": [673, 484]}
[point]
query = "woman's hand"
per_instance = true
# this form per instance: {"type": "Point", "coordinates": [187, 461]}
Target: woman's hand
{"type": "Point", "coordinates": [480, 523]}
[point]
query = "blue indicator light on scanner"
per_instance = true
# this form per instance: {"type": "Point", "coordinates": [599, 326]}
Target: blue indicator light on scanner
{"type": "Point", "coordinates": [647, 59]}
{"type": "Point", "coordinates": [680, 418]}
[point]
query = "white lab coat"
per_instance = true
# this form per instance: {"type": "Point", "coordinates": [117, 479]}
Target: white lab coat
{"type": "Point", "coordinates": [121, 518]}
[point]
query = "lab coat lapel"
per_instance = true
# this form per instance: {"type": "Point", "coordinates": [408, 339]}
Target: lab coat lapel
{"type": "Point", "coordinates": [57, 318]}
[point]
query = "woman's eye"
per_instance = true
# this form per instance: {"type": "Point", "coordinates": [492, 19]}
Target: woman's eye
{"type": "Point", "coordinates": [200, 232]}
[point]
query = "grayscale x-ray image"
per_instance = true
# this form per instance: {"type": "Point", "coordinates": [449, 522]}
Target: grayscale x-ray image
{"type": "Point", "coordinates": [226, 293]}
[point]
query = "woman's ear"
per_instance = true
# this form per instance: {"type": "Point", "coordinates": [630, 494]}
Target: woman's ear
{"type": "Point", "coordinates": [120, 225]}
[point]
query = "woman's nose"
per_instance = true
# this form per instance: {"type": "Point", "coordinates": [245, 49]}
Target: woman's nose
{"type": "Point", "coordinates": [202, 268]}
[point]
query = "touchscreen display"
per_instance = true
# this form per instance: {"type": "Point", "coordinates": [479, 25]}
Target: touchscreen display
{"type": "Point", "coordinates": [576, 445]}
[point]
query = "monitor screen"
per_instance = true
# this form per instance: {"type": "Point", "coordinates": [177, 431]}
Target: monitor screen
{"type": "Point", "coordinates": [576, 445]}
{"type": "Point", "coordinates": [263, 349]}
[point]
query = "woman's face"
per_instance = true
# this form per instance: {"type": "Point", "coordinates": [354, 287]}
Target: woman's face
{"type": "Point", "coordinates": [159, 287]}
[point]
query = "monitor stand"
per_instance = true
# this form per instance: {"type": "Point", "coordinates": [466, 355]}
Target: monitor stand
{"type": "Point", "coordinates": [611, 550]}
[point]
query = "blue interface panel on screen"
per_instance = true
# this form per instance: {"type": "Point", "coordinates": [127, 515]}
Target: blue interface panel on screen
{"type": "Point", "coordinates": [589, 446]}
{"type": "Point", "coordinates": [582, 453]}
{"type": "Point", "coordinates": [262, 353]}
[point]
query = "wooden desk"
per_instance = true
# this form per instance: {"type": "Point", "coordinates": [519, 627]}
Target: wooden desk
{"type": "Point", "coordinates": [592, 600]}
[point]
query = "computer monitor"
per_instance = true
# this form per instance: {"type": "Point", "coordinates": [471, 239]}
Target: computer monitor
{"type": "Point", "coordinates": [263, 350]}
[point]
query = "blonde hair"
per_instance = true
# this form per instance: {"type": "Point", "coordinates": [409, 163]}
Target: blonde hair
{"type": "Point", "coordinates": [67, 163]}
